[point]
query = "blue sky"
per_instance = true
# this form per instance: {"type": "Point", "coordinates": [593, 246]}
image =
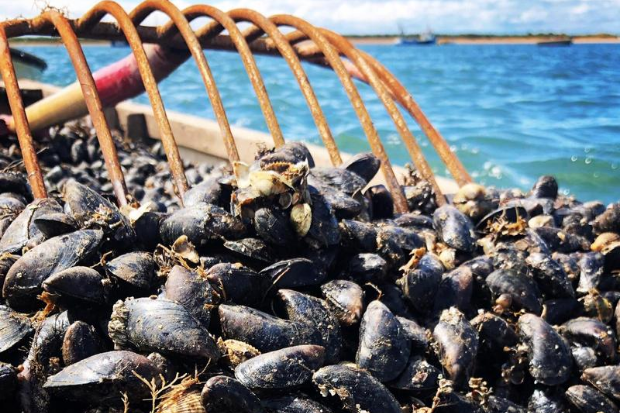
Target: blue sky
{"type": "Point", "coordinates": [376, 16]}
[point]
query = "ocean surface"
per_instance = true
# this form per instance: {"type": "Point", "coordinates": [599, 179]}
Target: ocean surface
{"type": "Point", "coordinates": [510, 112]}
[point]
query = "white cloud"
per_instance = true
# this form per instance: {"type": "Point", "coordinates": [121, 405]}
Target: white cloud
{"type": "Point", "coordinates": [377, 16]}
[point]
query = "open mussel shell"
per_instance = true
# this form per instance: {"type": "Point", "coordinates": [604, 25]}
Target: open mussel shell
{"type": "Point", "coordinates": [25, 278]}
{"type": "Point", "coordinates": [135, 268]}
{"type": "Point", "coordinates": [281, 369]}
{"type": "Point", "coordinates": [102, 378]}
{"type": "Point", "coordinates": [509, 214]}
{"type": "Point", "coordinates": [14, 328]}
{"type": "Point", "coordinates": [78, 284]}
{"type": "Point", "coordinates": [356, 389]}
{"type": "Point", "coordinates": [160, 325]}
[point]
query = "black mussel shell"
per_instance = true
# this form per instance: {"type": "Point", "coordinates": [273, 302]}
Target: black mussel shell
{"type": "Point", "coordinates": [192, 291]}
{"type": "Point", "coordinates": [81, 341]}
{"type": "Point", "coordinates": [160, 325]}
{"type": "Point", "coordinates": [102, 378]}
{"type": "Point", "coordinates": [281, 369]}
{"type": "Point", "coordinates": [14, 328]}
{"type": "Point", "coordinates": [224, 394]}
{"type": "Point", "coordinates": [356, 389]}
{"type": "Point", "coordinates": [135, 268]}
{"type": "Point", "coordinates": [25, 278]}
{"type": "Point", "coordinates": [81, 284]}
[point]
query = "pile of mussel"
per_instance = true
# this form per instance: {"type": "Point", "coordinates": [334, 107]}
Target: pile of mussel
{"type": "Point", "coordinates": [285, 287]}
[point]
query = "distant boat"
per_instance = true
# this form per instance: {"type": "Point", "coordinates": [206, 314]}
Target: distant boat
{"type": "Point", "coordinates": [423, 39]}
{"type": "Point", "coordinates": [27, 66]}
{"type": "Point", "coordinates": [556, 43]}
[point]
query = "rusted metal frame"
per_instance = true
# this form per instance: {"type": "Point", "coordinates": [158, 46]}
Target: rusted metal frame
{"type": "Point", "coordinates": [415, 152]}
{"type": "Point", "coordinates": [91, 97]}
{"type": "Point", "coordinates": [454, 165]}
{"type": "Point", "coordinates": [92, 17]}
{"type": "Point", "coordinates": [317, 37]}
{"type": "Point", "coordinates": [225, 22]}
{"type": "Point", "coordinates": [406, 100]}
{"type": "Point", "coordinates": [264, 25]}
{"type": "Point", "coordinates": [16, 104]}
{"type": "Point", "coordinates": [145, 8]}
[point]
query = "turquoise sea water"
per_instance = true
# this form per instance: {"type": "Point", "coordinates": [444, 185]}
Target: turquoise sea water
{"type": "Point", "coordinates": [511, 113]}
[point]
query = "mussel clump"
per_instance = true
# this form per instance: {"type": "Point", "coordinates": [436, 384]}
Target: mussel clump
{"type": "Point", "coordinates": [281, 286]}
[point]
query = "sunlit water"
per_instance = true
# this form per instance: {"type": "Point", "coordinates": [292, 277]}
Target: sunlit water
{"type": "Point", "coordinates": [511, 113]}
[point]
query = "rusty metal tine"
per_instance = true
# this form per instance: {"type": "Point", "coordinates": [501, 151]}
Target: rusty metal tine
{"type": "Point", "coordinates": [454, 165]}
{"type": "Point", "coordinates": [404, 98]}
{"type": "Point", "coordinates": [415, 152]}
{"type": "Point", "coordinates": [247, 58]}
{"type": "Point", "coordinates": [91, 97]}
{"type": "Point", "coordinates": [315, 35]}
{"type": "Point", "coordinates": [145, 8]}
{"type": "Point", "coordinates": [19, 117]}
{"type": "Point", "coordinates": [150, 85]}
{"type": "Point", "coordinates": [289, 54]}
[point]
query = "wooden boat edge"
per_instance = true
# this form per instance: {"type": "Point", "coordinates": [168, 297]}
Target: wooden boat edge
{"type": "Point", "coordinates": [199, 139]}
